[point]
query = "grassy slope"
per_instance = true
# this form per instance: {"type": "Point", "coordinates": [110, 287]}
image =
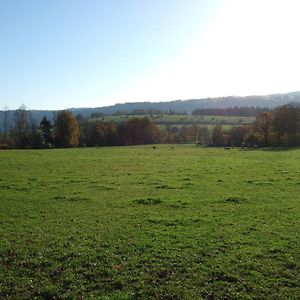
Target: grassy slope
{"type": "Point", "coordinates": [185, 119]}
{"type": "Point", "coordinates": [150, 223]}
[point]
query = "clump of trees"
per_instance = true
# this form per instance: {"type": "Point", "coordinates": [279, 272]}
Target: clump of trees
{"type": "Point", "coordinates": [68, 131]}
{"type": "Point", "coordinates": [279, 127]}
{"type": "Point", "coordinates": [25, 133]}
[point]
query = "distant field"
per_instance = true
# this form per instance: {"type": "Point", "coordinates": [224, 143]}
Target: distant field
{"type": "Point", "coordinates": [180, 120]}
{"type": "Point", "coordinates": [144, 223]}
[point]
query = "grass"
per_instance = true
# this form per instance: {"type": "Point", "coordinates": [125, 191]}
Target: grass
{"type": "Point", "coordinates": [144, 223]}
{"type": "Point", "coordinates": [179, 120]}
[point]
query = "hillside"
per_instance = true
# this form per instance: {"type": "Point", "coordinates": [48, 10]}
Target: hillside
{"type": "Point", "coordinates": [187, 106]}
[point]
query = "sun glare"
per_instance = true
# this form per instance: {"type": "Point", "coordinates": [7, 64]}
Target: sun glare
{"type": "Point", "coordinates": [249, 47]}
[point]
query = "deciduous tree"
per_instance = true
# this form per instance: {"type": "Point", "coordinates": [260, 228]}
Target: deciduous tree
{"type": "Point", "coordinates": [218, 138]}
{"type": "Point", "coordinates": [67, 130]}
{"type": "Point", "coordinates": [21, 127]}
{"type": "Point", "coordinates": [140, 131]}
{"type": "Point", "coordinates": [263, 124]}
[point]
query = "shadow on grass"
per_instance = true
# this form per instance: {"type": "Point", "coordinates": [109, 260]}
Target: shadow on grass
{"type": "Point", "coordinates": [279, 149]}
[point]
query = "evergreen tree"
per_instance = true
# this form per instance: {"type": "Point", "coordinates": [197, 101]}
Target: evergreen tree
{"type": "Point", "coordinates": [46, 132]}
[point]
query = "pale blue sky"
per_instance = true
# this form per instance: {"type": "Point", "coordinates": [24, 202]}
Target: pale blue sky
{"type": "Point", "coordinates": [57, 54]}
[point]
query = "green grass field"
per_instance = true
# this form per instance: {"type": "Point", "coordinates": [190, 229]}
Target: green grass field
{"type": "Point", "coordinates": [179, 120]}
{"type": "Point", "coordinates": [144, 223]}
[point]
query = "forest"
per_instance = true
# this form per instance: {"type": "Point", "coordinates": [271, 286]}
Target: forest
{"type": "Point", "coordinates": [277, 127]}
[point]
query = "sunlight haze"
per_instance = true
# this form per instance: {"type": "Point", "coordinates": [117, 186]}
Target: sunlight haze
{"type": "Point", "coordinates": [62, 54]}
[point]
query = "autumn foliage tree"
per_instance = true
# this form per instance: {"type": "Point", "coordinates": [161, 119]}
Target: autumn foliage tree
{"type": "Point", "coordinates": [277, 127]}
{"type": "Point", "coordinates": [103, 134]}
{"type": "Point", "coordinates": [67, 131]}
{"type": "Point", "coordinates": [139, 131]}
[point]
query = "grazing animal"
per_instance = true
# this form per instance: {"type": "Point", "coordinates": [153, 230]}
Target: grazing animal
{"type": "Point", "coordinates": [153, 147]}
{"type": "Point", "coordinates": [226, 148]}
{"type": "Point", "coordinates": [243, 146]}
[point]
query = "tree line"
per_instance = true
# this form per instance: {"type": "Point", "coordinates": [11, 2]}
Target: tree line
{"type": "Point", "coordinates": [68, 131]}
{"type": "Point", "coordinates": [279, 127]}
{"type": "Point", "coordinates": [247, 111]}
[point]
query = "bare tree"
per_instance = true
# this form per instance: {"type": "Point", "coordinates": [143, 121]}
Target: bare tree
{"type": "Point", "coordinates": [5, 121]}
{"type": "Point", "coordinates": [21, 128]}
{"type": "Point", "coordinates": [263, 123]}
{"type": "Point", "coordinates": [286, 124]}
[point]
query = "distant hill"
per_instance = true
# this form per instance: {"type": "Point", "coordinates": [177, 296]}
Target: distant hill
{"type": "Point", "coordinates": [187, 106]}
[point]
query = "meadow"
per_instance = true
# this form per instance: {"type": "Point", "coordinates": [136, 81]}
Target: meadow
{"type": "Point", "coordinates": [180, 120]}
{"type": "Point", "coordinates": [150, 223]}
